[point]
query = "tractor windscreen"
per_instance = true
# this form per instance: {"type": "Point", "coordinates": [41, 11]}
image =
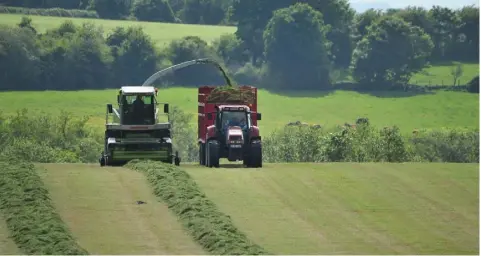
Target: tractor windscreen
{"type": "Point", "coordinates": [235, 118]}
{"type": "Point", "coordinates": [139, 109]}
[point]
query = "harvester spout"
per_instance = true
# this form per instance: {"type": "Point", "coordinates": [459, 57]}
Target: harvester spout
{"type": "Point", "coordinates": [182, 65]}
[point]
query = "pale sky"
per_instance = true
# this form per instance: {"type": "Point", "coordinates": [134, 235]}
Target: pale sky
{"type": "Point", "coordinates": [424, 3]}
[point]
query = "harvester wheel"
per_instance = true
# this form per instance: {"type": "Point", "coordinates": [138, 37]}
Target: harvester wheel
{"type": "Point", "coordinates": [212, 154]}
{"type": "Point", "coordinates": [177, 158]}
{"type": "Point", "coordinates": [201, 154]}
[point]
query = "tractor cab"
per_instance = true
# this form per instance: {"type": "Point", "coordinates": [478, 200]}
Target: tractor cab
{"type": "Point", "coordinates": [138, 105]}
{"type": "Point", "coordinates": [233, 122]}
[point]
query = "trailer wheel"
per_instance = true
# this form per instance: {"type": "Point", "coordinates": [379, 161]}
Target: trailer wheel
{"type": "Point", "coordinates": [212, 154]}
{"type": "Point", "coordinates": [201, 154]}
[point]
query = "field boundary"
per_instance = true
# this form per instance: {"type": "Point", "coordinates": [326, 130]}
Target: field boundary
{"type": "Point", "coordinates": [212, 229]}
{"type": "Point", "coordinates": [34, 224]}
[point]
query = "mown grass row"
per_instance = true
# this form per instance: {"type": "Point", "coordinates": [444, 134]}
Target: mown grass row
{"type": "Point", "coordinates": [211, 228]}
{"type": "Point", "coordinates": [25, 204]}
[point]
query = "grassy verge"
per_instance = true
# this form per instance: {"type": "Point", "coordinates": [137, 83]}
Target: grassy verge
{"type": "Point", "coordinates": [209, 227]}
{"type": "Point", "coordinates": [33, 222]}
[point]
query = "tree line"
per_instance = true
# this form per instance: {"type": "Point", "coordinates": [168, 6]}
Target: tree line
{"type": "Point", "coordinates": [301, 44]}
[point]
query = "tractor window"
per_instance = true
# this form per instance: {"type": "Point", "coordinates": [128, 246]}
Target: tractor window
{"type": "Point", "coordinates": [234, 118]}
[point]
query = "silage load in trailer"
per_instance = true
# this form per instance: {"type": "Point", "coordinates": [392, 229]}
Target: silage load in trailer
{"type": "Point", "coordinates": [232, 95]}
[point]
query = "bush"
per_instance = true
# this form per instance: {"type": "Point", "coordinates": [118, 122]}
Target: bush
{"type": "Point", "coordinates": [249, 75]}
{"type": "Point", "coordinates": [57, 12]}
{"type": "Point", "coordinates": [184, 136]}
{"type": "Point", "coordinates": [363, 143]}
{"type": "Point", "coordinates": [34, 224]}
{"type": "Point", "coordinates": [47, 139]}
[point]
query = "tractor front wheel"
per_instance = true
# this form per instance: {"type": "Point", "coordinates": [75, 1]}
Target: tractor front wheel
{"type": "Point", "coordinates": [212, 155]}
{"type": "Point", "coordinates": [254, 157]}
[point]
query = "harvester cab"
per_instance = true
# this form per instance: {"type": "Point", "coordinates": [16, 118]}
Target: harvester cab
{"type": "Point", "coordinates": [135, 131]}
{"type": "Point", "coordinates": [228, 126]}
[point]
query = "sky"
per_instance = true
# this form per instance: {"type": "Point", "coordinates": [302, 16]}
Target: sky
{"type": "Point", "coordinates": [382, 4]}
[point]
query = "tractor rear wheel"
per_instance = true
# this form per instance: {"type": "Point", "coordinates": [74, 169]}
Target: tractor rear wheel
{"type": "Point", "coordinates": [212, 154]}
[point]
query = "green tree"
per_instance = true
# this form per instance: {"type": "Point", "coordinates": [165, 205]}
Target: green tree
{"type": "Point", "coordinates": [363, 20]}
{"type": "Point", "coordinates": [444, 35]}
{"type": "Point", "coordinates": [134, 53]}
{"type": "Point", "coordinates": [391, 51]}
{"type": "Point", "coordinates": [468, 34]}
{"type": "Point", "coordinates": [111, 9]}
{"type": "Point", "coordinates": [19, 59]}
{"type": "Point", "coordinates": [296, 48]}
{"type": "Point", "coordinates": [230, 49]}
{"type": "Point", "coordinates": [153, 10]}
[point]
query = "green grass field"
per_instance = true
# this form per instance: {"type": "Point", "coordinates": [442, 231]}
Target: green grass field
{"type": "Point", "coordinates": [442, 109]}
{"type": "Point", "coordinates": [441, 74]}
{"type": "Point", "coordinates": [161, 33]}
{"type": "Point", "coordinates": [99, 206]}
{"type": "Point", "coordinates": [304, 208]}
{"type": "Point", "coordinates": [351, 208]}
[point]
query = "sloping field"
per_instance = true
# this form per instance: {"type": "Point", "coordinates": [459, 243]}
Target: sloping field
{"type": "Point", "coordinates": [100, 207]}
{"type": "Point", "coordinates": [161, 33]}
{"type": "Point", "coordinates": [350, 208]}
{"type": "Point", "coordinates": [7, 246]}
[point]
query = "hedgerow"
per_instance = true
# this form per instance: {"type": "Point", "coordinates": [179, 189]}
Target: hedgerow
{"type": "Point", "coordinates": [57, 12]}
{"type": "Point", "coordinates": [48, 138]}
{"type": "Point", "coordinates": [208, 226]}
{"type": "Point", "coordinates": [365, 143]}
{"type": "Point", "coordinates": [25, 204]}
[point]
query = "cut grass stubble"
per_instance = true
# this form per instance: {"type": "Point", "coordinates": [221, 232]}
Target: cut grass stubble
{"type": "Point", "coordinates": [209, 227]}
{"type": "Point", "coordinates": [35, 226]}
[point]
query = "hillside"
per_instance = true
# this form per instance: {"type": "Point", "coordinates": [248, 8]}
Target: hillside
{"type": "Point", "coordinates": [99, 206]}
{"type": "Point", "coordinates": [344, 208]}
{"type": "Point", "coordinates": [408, 111]}
{"type": "Point", "coordinates": [161, 33]}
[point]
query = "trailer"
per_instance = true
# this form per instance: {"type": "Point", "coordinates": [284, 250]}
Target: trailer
{"type": "Point", "coordinates": [227, 126]}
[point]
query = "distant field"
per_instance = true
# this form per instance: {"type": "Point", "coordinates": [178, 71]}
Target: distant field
{"type": "Point", "coordinates": [442, 109]}
{"type": "Point", "coordinates": [161, 33]}
{"type": "Point", "coordinates": [99, 206]}
{"type": "Point", "coordinates": [345, 208]}
{"type": "Point", "coordinates": [441, 74]}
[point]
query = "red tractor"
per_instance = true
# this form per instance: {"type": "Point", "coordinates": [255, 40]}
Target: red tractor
{"type": "Point", "coordinates": [227, 126]}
